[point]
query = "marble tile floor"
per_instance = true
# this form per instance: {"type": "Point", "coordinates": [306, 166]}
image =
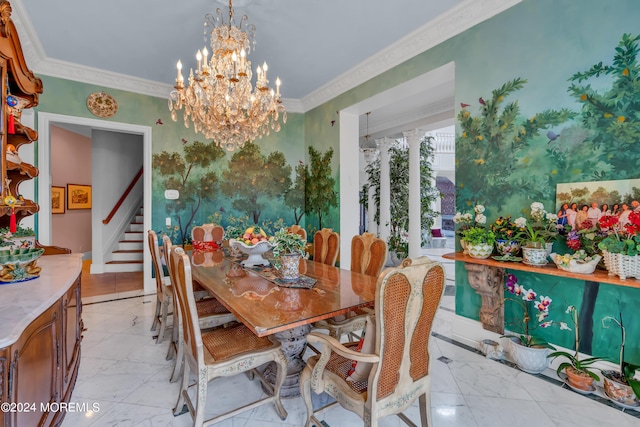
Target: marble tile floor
{"type": "Point", "coordinates": [124, 374]}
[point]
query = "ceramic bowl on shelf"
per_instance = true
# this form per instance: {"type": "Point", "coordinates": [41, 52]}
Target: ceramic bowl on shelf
{"type": "Point", "coordinates": [574, 265]}
{"type": "Point", "coordinates": [19, 265]}
{"type": "Point", "coordinates": [254, 252]}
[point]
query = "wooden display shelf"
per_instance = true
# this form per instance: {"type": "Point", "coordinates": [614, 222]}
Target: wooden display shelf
{"type": "Point", "coordinates": [600, 276]}
{"type": "Point", "coordinates": [22, 135]}
{"type": "Point", "coordinates": [29, 171]}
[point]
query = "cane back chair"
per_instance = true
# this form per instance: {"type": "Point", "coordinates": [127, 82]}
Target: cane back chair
{"type": "Point", "coordinates": [326, 246]}
{"type": "Point", "coordinates": [219, 352]}
{"type": "Point", "coordinates": [406, 301]}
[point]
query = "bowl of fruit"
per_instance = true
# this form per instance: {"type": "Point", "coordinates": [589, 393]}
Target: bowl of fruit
{"type": "Point", "coordinates": [254, 242]}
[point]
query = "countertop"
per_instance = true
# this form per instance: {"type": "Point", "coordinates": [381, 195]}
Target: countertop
{"type": "Point", "coordinates": [21, 303]}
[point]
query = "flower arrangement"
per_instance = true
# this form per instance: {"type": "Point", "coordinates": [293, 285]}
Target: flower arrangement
{"type": "Point", "coordinates": [468, 221]}
{"type": "Point", "coordinates": [586, 239]}
{"type": "Point", "coordinates": [623, 239]}
{"type": "Point", "coordinates": [287, 243]}
{"type": "Point", "coordinates": [504, 228]}
{"type": "Point", "coordinates": [540, 228]}
{"type": "Point", "coordinates": [529, 301]}
{"type": "Point", "coordinates": [582, 367]}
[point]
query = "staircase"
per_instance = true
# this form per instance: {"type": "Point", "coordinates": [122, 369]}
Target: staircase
{"type": "Point", "coordinates": [128, 256]}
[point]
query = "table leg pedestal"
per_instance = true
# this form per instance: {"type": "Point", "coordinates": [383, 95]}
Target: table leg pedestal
{"type": "Point", "coordinates": [294, 343]}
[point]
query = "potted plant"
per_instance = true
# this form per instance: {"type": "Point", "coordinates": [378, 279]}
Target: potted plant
{"type": "Point", "coordinates": [621, 246]}
{"type": "Point", "coordinates": [621, 386]}
{"type": "Point", "coordinates": [579, 372]}
{"type": "Point", "coordinates": [536, 234]}
{"type": "Point", "coordinates": [289, 248]}
{"type": "Point", "coordinates": [232, 232]}
{"type": "Point", "coordinates": [467, 221]}
{"type": "Point", "coordinates": [528, 352]}
{"type": "Point", "coordinates": [505, 231]}
{"type": "Point", "coordinates": [577, 262]}
{"type": "Point", "coordinates": [479, 241]}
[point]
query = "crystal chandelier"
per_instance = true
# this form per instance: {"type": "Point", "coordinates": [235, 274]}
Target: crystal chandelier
{"type": "Point", "coordinates": [219, 98]}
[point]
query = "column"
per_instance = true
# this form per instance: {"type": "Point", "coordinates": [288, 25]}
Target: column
{"type": "Point", "coordinates": [415, 226]}
{"type": "Point", "coordinates": [385, 188]}
{"type": "Point", "coordinates": [436, 205]}
{"type": "Point", "coordinates": [370, 155]}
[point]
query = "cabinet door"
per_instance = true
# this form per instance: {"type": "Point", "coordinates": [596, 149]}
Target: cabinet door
{"type": "Point", "coordinates": [71, 336]}
{"type": "Point", "coordinates": [34, 369]}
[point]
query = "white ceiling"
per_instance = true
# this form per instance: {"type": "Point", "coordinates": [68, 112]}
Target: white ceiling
{"type": "Point", "coordinates": [319, 48]}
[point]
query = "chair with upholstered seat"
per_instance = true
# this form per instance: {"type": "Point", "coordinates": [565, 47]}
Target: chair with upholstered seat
{"type": "Point", "coordinates": [211, 313]}
{"type": "Point", "coordinates": [219, 352]}
{"type": "Point", "coordinates": [326, 246]}
{"type": "Point", "coordinates": [296, 229]}
{"type": "Point", "coordinates": [368, 256]}
{"type": "Point", "coordinates": [406, 301]}
{"type": "Point", "coordinates": [163, 292]}
{"type": "Point", "coordinates": [207, 236]}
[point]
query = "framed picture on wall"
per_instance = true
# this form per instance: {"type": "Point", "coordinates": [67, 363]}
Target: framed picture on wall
{"type": "Point", "coordinates": [57, 200]}
{"type": "Point", "coordinates": [78, 196]}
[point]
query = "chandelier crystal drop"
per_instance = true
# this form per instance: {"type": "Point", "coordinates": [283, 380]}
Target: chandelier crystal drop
{"type": "Point", "coordinates": [220, 99]}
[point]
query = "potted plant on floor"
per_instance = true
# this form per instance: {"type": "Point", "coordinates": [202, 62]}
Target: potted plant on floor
{"type": "Point", "coordinates": [528, 351]}
{"type": "Point", "coordinates": [579, 372]}
{"type": "Point", "coordinates": [289, 248]}
{"type": "Point", "coordinates": [621, 386]}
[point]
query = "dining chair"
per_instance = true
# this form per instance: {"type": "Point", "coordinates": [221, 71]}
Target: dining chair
{"type": "Point", "coordinates": [326, 246]}
{"type": "Point", "coordinates": [407, 298]}
{"type": "Point", "coordinates": [207, 236]}
{"type": "Point", "coordinates": [163, 291]}
{"type": "Point", "coordinates": [220, 352]}
{"type": "Point", "coordinates": [368, 256]}
{"type": "Point", "coordinates": [296, 229]}
{"type": "Point", "coordinates": [211, 313]}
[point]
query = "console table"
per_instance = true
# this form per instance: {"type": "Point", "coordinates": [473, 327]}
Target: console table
{"type": "Point", "coordinates": [486, 277]}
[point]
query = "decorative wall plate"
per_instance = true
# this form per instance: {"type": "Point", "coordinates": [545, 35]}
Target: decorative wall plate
{"type": "Point", "coordinates": [102, 104]}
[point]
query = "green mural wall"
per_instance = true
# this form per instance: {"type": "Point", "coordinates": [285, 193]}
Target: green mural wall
{"type": "Point", "coordinates": [542, 42]}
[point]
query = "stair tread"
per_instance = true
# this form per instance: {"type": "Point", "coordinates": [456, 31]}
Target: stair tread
{"type": "Point", "coordinates": [131, 241]}
{"type": "Point", "coordinates": [119, 251]}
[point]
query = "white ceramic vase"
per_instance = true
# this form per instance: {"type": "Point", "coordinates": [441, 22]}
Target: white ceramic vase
{"type": "Point", "coordinates": [534, 256]}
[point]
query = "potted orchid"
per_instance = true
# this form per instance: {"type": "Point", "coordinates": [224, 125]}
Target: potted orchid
{"type": "Point", "coordinates": [529, 352]}
{"type": "Point", "coordinates": [580, 373]}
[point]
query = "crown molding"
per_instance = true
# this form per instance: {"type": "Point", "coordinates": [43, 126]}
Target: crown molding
{"type": "Point", "coordinates": [457, 20]}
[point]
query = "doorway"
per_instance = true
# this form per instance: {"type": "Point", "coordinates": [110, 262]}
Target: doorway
{"type": "Point", "coordinates": [45, 120]}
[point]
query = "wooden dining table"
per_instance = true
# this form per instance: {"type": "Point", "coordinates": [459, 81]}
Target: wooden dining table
{"type": "Point", "coordinates": [269, 308]}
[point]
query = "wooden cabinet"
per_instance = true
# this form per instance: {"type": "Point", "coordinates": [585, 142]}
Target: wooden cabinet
{"type": "Point", "coordinates": [19, 82]}
{"type": "Point", "coordinates": [40, 369]}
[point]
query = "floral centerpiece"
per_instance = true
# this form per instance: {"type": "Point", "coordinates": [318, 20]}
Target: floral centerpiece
{"type": "Point", "coordinates": [621, 246]}
{"type": "Point", "coordinates": [529, 352]}
{"type": "Point", "coordinates": [289, 248]}
{"type": "Point", "coordinates": [253, 242]}
{"type": "Point", "coordinates": [540, 228]}
{"type": "Point", "coordinates": [580, 373]}
{"type": "Point", "coordinates": [505, 231]}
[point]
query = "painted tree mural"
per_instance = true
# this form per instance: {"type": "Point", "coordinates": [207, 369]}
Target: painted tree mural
{"type": "Point", "coordinates": [319, 190]}
{"type": "Point", "coordinates": [496, 144]}
{"type": "Point", "coordinates": [294, 196]}
{"type": "Point", "coordinates": [612, 116]}
{"type": "Point", "coordinates": [252, 178]}
{"type": "Point", "coordinates": [194, 186]}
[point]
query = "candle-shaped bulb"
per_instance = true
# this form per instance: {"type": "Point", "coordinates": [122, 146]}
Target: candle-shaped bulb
{"type": "Point", "coordinates": [278, 83]}
{"type": "Point", "coordinates": [179, 66]}
{"type": "Point", "coordinates": [265, 68]}
{"type": "Point", "coordinates": [205, 54]}
{"type": "Point", "coordinates": [199, 58]}
{"type": "Point", "coordinates": [234, 57]}
{"type": "Point", "coordinates": [259, 71]}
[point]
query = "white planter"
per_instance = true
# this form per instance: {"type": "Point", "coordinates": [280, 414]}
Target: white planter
{"type": "Point", "coordinates": [534, 256]}
{"type": "Point", "coordinates": [533, 360]}
{"type": "Point", "coordinates": [622, 265]}
{"type": "Point", "coordinates": [479, 251]}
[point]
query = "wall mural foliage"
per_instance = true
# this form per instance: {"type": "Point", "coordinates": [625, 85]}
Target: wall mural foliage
{"type": "Point", "coordinates": [505, 161]}
{"type": "Point", "coordinates": [239, 190]}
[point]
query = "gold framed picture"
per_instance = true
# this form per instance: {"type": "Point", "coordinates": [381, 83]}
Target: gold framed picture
{"type": "Point", "coordinates": [78, 196]}
{"type": "Point", "coordinates": [57, 200]}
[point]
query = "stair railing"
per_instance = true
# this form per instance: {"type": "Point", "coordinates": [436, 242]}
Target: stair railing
{"type": "Point", "coordinates": [123, 198]}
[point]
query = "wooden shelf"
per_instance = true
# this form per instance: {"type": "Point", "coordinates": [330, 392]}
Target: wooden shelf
{"type": "Point", "coordinates": [600, 276]}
